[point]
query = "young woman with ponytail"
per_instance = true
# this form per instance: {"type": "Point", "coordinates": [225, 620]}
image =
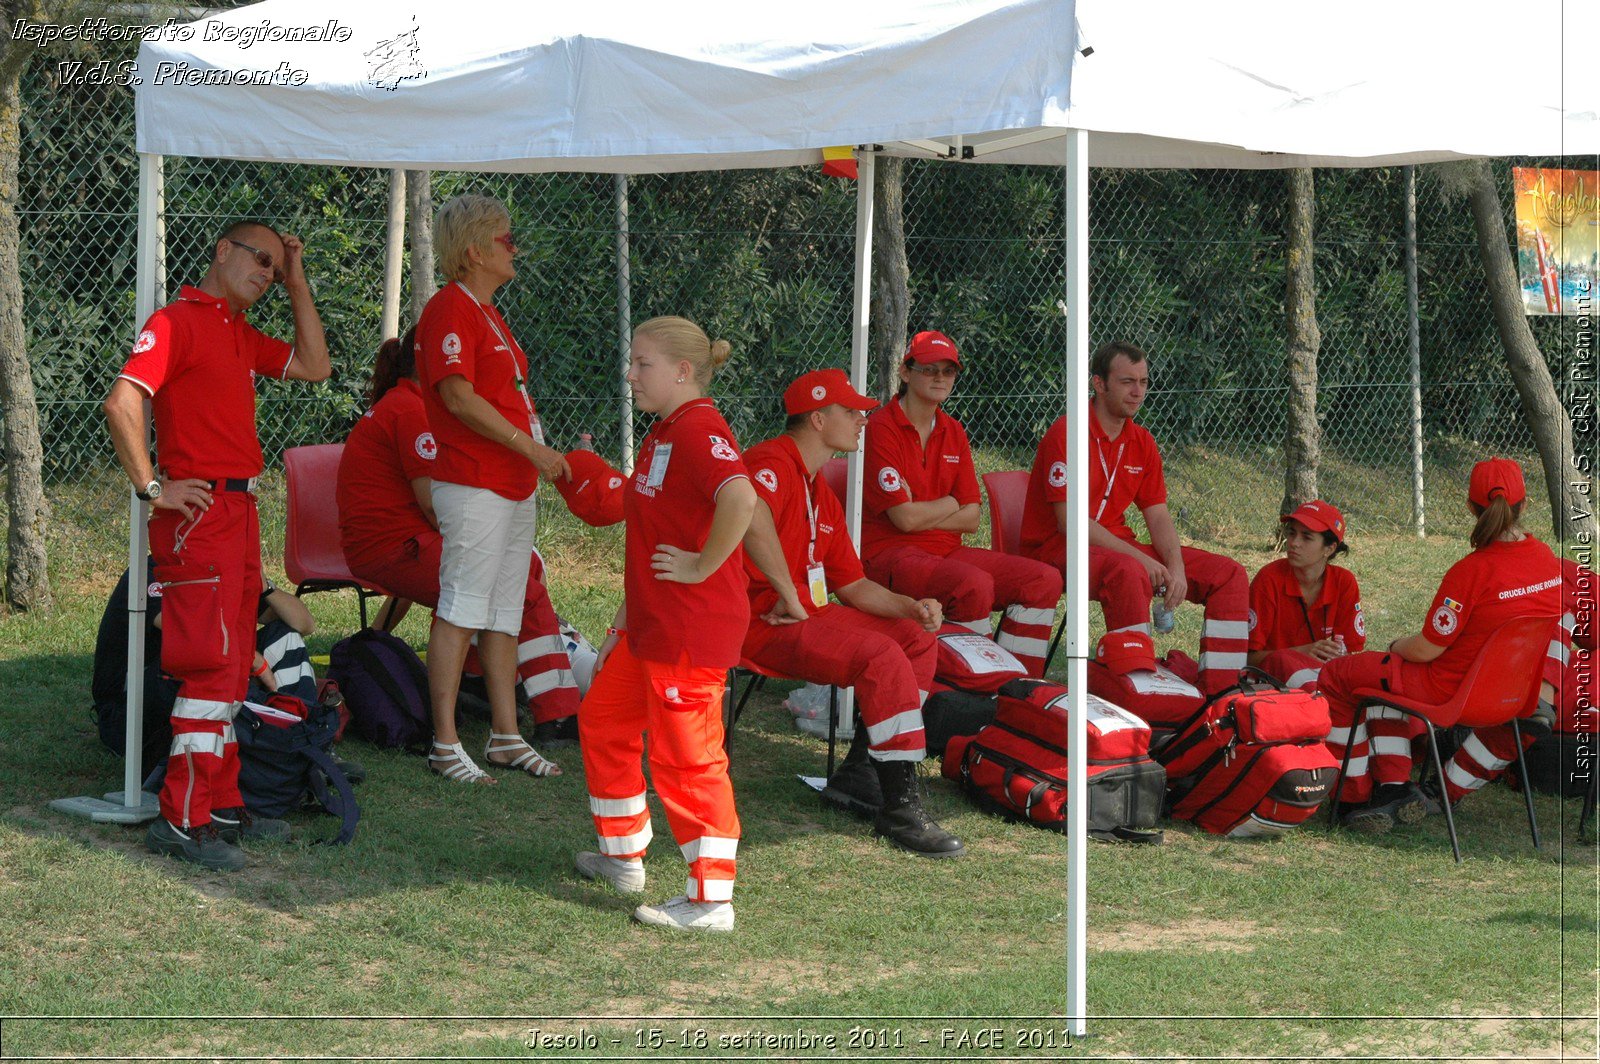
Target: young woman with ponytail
{"type": "Point", "coordinates": [1508, 574]}
{"type": "Point", "coordinates": [681, 625]}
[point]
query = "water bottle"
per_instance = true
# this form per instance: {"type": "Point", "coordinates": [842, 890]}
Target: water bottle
{"type": "Point", "coordinates": [1163, 619]}
{"type": "Point", "coordinates": [585, 441]}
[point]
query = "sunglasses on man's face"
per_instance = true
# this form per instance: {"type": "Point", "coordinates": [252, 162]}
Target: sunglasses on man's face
{"type": "Point", "coordinates": [262, 259]}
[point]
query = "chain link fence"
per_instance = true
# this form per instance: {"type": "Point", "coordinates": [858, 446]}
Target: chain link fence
{"type": "Point", "coordinates": [1190, 265]}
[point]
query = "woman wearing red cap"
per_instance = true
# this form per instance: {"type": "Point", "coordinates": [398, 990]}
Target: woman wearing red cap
{"type": "Point", "coordinates": [921, 496]}
{"type": "Point", "coordinates": [1508, 574]}
{"type": "Point", "coordinates": [1304, 611]}
{"type": "Point", "coordinates": [683, 618]}
{"type": "Point", "coordinates": [391, 538]}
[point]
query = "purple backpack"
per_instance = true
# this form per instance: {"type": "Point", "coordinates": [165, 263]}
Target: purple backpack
{"type": "Point", "coordinates": [385, 687]}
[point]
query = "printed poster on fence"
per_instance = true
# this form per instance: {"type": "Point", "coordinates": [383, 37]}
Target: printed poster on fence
{"type": "Point", "coordinates": [1558, 239]}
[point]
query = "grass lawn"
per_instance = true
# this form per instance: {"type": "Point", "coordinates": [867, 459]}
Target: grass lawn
{"type": "Point", "coordinates": [456, 926]}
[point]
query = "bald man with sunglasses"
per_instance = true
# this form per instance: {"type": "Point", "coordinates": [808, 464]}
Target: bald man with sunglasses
{"type": "Point", "coordinates": [196, 361]}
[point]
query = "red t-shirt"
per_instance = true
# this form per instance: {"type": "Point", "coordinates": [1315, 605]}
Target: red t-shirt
{"type": "Point", "coordinates": [1047, 485]}
{"type": "Point", "coordinates": [1130, 466]}
{"type": "Point", "coordinates": [1481, 592]}
{"type": "Point", "coordinates": [781, 482]}
{"type": "Point", "coordinates": [900, 470]}
{"type": "Point", "coordinates": [1280, 618]}
{"type": "Point", "coordinates": [458, 336]}
{"type": "Point", "coordinates": [685, 460]}
{"type": "Point", "coordinates": [388, 448]}
{"type": "Point", "coordinates": [198, 361]}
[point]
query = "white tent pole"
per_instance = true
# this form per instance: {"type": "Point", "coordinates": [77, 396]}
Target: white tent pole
{"type": "Point", "coordinates": [393, 254]}
{"type": "Point", "coordinates": [1077, 621]}
{"type": "Point", "coordinates": [861, 318]}
{"type": "Point", "coordinates": [150, 258]}
{"type": "Point", "coordinates": [624, 326]}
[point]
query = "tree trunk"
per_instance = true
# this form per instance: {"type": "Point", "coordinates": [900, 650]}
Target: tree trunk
{"type": "Point", "coordinates": [27, 582]}
{"type": "Point", "coordinates": [891, 274]}
{"type": "Point", "coordinates": [1571, 494]}
{"type": "Point", "coordinates": [419, 219]}
{"type": "Point", "coordinates": [1302, 439]}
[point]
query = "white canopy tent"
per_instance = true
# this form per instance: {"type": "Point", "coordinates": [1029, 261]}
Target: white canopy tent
{"type": "Point", "coordinates": [630, 86]}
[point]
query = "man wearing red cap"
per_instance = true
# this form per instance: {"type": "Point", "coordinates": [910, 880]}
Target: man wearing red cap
{"type": "Point", "coordinates": [1509, 574]}
{"type": "Point", "coordinates": [920, 498]}
{"type": "Point", "coordinates": [197, 360]}
{"type": "Point", "coordinates": [1305, 611]}
{"type": "Point", "coordinates": [1124, 574]}
{"type": "Point", "coordinates": [797, 551]}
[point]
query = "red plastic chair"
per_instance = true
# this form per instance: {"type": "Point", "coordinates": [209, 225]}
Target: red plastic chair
{"type": "Point", "coordinates": [1501, 685]}
{"type": "Point", "coordinates": [1008, 492]}
{"type": "Point", "coordinates": [757, 679]}
{"type": "Point", "coordinates": [835, 472]}
{"type": "Point", "coordinates": [312, 556]}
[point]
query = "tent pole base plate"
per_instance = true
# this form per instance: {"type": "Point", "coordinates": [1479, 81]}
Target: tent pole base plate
{"type": "Point", "coordinates": [112, 809]}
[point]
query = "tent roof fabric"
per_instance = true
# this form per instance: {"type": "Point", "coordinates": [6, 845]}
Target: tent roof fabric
{"type": "Point", "coordinates": [635, 86]}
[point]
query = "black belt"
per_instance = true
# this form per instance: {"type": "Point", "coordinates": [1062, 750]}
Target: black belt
{"type": "Point", "coordinates": [232, 485]}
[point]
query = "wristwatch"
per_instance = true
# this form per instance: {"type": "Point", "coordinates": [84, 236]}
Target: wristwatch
{"type": "Point", "coordinates": [151, 492]}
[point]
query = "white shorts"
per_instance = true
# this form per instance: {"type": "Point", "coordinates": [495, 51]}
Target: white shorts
{"type": "Point", "coordinates": [484, 560]}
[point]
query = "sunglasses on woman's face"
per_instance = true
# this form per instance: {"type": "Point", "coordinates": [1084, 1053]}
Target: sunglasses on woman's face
{"type": "Point", "coordinates": [505, 239]}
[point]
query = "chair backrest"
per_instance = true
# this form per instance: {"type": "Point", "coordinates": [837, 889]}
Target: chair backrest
{"type": "Point", "coordinates": [835, 471]}
{"type": "Point", "coordinates": [1007, 489]}
{"type": "Point", "coordinates": [311, 549]}
{"type": "Point", "coordinates": [1504, 679]}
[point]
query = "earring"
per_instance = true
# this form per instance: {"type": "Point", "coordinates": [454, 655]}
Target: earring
{"type": "Point", "coordinates": [680, 380]}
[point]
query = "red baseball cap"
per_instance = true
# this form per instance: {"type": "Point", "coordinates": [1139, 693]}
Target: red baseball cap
{"type": "Point", "coordinates": [820, 388]}
{"type": "Point", "coordinates": [932, 346]}
{"type": "Point", "coordinates": [1496, 476]}
{"type": "Point", "coordinates": [1319, 516]}
{"type": "Point", "coordinates": [594, 491]}
{"type": "Point", "coordinates": [1125, 652]}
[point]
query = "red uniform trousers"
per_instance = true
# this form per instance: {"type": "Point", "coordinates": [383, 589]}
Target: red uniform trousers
{"type": "Point", "coordinates": [971, 583]}
{"type": "Point", "coordinates": [1292, 668]}
{"type": "Point", "coordinates": [889, 661]}
{"type": "Point", "coordinates": [1387, 734]}
{"type": "Point", "coordinates": [680, 706]}
{"type": "Point", "coordinates": [211, 571]}
{"type": "Point", "coordinates": [1487, 752]}
{"type": "Point", "coordinates": [543, 668]}
{"type": "Point", "coordinates": [1122, 587]}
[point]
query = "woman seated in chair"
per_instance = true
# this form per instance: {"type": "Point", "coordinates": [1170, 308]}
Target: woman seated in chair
{"type": "Point", "coordinates": [1509, 574]}
{"type": "Point", "coordinates": [1305, 611]}
{"type": "Point", "coordinates": [391, 537]}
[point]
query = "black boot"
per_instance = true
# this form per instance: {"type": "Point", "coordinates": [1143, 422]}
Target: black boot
{"type": "Point", "coordinates": [903, 821]}
{"type": "Point", "coordinates": [854, 786]}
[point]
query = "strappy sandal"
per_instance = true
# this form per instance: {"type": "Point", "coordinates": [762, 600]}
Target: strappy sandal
{"type": "Point", "coordinates": [455, 764]}
{"type": "Point", "coordinates": [527, 759]}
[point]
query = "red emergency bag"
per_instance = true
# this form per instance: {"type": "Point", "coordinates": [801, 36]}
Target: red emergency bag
{"type": "Point", "coordinates": [968, 661]}
{"type": "Point", "coordinates": [1018, 764]}
{"type": "Point", "coordinates": [1162, 697]}
{"type": "Point", "coordinates": [1254, 762]}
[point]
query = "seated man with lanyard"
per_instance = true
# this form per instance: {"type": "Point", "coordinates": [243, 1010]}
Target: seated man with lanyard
{"type": "Point", "coordinates": [874, 640]}
{"type": "Point", "coordinates": [1125, 574]}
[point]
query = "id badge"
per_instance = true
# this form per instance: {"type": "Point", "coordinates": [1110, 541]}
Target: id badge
{"type": "Point", "coordinates": [536, 430]}
{"type": "Point", "coordinates": [658, 465]}
{"type": "Point", "coordinates": [818, 581]}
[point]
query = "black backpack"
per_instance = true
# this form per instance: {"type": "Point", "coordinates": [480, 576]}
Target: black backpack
{"type": "Point", "coordinates": [280, 764]}
{"type": "Point", "coordinates": [385, 688]}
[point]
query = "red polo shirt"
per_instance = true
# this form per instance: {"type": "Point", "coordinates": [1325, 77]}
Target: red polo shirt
{"type": "Point", "coordinates": [458, 336]}
{"type": "Point", "coordinates": [799, 504]}
{"type": "Point", "coordinates": [1281, 618]}
{"type": "Point", "coordinates": [1130, 466]}
{"type": "Point", "coordinates": [685, 460]}
{"type": "Point", "coordinates": [900, 470]}
{"type": "Point", "coordinates": [388, 448]}
{"type": "Point", "coordinates": [1487, 588]}
{"type": "Point", "coordinates": [198, 361]}
{"type": "Point", "coordinates": [1047, 485]}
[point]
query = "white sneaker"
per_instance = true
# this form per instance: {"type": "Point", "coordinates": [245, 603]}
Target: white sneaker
{"type": "Point", "coordinates": [626, 876]}
{"type": "Point", "coordinates": [681, 914]}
